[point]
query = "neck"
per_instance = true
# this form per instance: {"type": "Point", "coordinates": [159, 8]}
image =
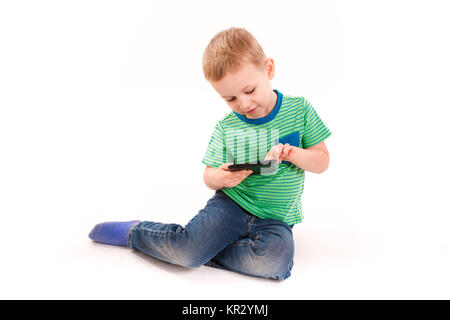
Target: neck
{"type": "Point", "coordinates": [273, 102]}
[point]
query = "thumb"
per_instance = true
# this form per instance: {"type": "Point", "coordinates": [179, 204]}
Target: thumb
{"type": "Point", "coordinates": [225, 165]}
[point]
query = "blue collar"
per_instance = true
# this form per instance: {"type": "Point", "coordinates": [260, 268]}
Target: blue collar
{"type": "Point", "coordinates": [267, 118]}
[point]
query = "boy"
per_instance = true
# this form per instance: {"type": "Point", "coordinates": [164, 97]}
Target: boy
{"type": "Point", "coordinates": [247, 225]}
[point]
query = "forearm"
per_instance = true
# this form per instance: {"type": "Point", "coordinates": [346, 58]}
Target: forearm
{"type": "Point", "coordinates": [313, 160]}
{"type": "Point", "coordinates": [211, 180]}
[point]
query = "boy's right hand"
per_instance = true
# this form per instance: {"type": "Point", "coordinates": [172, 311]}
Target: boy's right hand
{"type": "Point", "coordinates": [230, 179]}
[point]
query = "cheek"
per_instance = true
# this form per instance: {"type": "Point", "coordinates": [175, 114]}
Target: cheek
{"type": "Point", "coordinates": [233, 106]}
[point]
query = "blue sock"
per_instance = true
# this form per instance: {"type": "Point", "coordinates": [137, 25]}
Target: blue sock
{"type": "Point", "coordinates": [113, 233]}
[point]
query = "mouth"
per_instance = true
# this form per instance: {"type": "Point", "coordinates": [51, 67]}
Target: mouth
{"type": "Point", "coordinates": [252, 110]}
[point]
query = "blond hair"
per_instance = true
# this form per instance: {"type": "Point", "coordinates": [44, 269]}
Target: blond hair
{"type": "Point", "coordinates": [228, 50]}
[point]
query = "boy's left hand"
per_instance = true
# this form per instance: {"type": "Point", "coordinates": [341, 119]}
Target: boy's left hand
{"type": "Point", "coordinates": [281, 152]}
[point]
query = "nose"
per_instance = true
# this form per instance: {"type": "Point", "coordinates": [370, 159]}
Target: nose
{"type": "Point", "coordinates": [246, 104]}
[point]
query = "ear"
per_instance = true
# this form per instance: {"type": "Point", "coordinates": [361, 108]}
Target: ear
{"type": "Point", "coordinates": [269, 68]}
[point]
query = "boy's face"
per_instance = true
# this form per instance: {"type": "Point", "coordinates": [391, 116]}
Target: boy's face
{"type": "Point", "coordinates": [248, 91]}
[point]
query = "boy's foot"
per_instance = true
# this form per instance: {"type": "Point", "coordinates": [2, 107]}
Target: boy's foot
{"type": "Point", "coordinates": [113, 233]}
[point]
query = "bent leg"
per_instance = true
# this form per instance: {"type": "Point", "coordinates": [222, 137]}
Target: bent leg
{"type": "Point", "coordinates": [267, 251]}
{"type": "Point", "coordinates": [217, 225]}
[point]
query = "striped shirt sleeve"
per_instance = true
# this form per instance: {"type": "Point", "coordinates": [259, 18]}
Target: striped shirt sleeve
{"type": "Point", "coordinates": [315, 130]}
{"type": "Point", "coordinates": [215, 152]}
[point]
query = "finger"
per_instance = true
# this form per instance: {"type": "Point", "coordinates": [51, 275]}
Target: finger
{"type": "Point", "coordinates": [278, 147]}
{"type": "Point", "coordinates": [225, 166]}
{"type": "Point", "coordinates": [291, 150]}
{"type": "Point", "coordinates": [275, 154]}
{"type": "Point", "coordinates": [290, 153]}
{"type": "Point", "coordinates": [238, 174]}
{"type": "Point", "coordinates": [287, 153]}
{"type": "Point", "coordinates": [280, 152]}
{"type": "Point", "coordinates": [286, 149]}
{"type": "Point", "coordinates": [244, 174]}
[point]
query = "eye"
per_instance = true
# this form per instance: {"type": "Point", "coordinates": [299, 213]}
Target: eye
{"type": "Point", "coordinates": [249, 92]}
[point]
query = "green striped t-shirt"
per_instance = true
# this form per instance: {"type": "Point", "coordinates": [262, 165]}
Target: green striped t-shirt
{"type": "Point", "coordinates": [276, 193]}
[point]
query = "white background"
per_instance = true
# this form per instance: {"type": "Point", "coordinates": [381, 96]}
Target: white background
{"type": "Point", "coordinates": [105, 116]}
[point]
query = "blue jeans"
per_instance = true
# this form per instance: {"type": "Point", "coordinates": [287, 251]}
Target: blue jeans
{"type": "Point", "coordinates": [221, 235]}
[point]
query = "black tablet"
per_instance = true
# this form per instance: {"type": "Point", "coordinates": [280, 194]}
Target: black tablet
{"type": "Point", "coordinates": [255, 167]}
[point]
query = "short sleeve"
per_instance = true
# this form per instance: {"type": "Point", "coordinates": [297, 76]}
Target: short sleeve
{"type": "Point", "coordinates": [215, 154]}
{"type": "Point", "coordinates": [315, 130]}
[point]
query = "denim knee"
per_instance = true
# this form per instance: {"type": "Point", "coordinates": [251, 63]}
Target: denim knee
{"type": "Point", "coordinates": [281, 269]}
{"type": "Point", "coordinates": [190, 259]}
{"type": "Point", "coordinates": [276, 257]}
